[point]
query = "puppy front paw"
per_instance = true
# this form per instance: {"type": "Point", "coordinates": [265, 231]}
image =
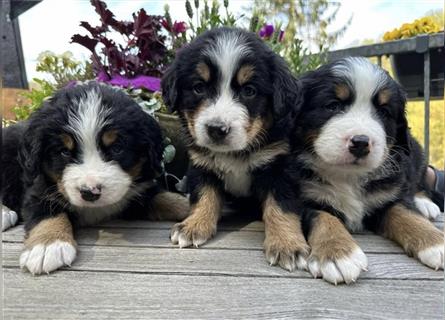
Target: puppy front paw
{"type": "Point", "coordinates": [44, 258]}
{"type": "Point", "coordinates": [427, 207]}
{"type": "Point", "coordinates": [338, 267]}
{"type": "Point", "coordinates": [192, 231]}
{"type": "Point", "coordinates": [289, 254]}
{"type": "Point", "coordinates": [433, 257]}
{"type": "Point", "coordinates": [9, 218]}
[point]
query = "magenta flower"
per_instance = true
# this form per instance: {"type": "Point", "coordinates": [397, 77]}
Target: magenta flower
{"type": "Point", "coordinates": [179, 27]}
{"type": "Point", "coordinates": [147, 82]}
{"type": "Point", "coordinates": [266, 31]}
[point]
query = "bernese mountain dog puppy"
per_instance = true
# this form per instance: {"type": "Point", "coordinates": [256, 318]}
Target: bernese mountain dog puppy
{"type": "Point", "coordinates": [360, 168]}
{"type": "Point", "coordinates": [90, 153]}
{"type": "Point", "coordinates": [237, 101]}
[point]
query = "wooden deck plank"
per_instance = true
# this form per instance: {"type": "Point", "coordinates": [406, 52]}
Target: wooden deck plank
{"type": "Point", "coordinates": [247, 240]}
{"type": "Point", "coordinates": [231, 223]}
{"type": "Point", "coordinates": [99, 295]}
{"type": "Point", "coordinates": [216, 262]}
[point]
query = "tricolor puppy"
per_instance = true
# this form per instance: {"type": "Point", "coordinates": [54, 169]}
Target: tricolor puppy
{"type": "Point", "coordinates": [89, 154]}
{"type": "Point", "coordinates": [360, 169]}
{"type": "Point", "coordinates": [237, 101]}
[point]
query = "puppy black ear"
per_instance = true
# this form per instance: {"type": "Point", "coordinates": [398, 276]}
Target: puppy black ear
{"type": "Point", "coordinates": [402, 133]}
{"type": "Point", "coordinates": [169, 88]}
{"type": "Point", "coordinates": [30, 154]}
{"type": "Point", "coordinates": [287, 96]}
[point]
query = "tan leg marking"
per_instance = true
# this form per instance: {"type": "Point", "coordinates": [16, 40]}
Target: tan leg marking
{"type": "Point", "coordinates": [418, 236]}
{"type": "Point", "coordinates": [335, 255]}
{"type": "Point", "coordinates": [284, 243]}
{"type": "Point", "coordinates": [169, 206]}
{"type": "Point", "coordinates": [50, 230]}
{"type": "Point", "coordinates": [200, 226]}
{"type": "Point", "coordinates": [49, 245]}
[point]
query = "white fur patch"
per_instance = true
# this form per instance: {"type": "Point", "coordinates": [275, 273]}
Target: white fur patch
{"type": "Point", "coordinates": [86, 124]}
{"type": "Point", "coordinates": [236, 171]}
{"type": "Point", "coordinates": [433, 257]}
{"type": "Point", "coordinates": [226, 52]}
{"type": "Point", "coordinates": [345, 270]}
{"type": "Point", "coordinates": [427, 207]}
{"type": "Point", "coordinates": [9, 218]}
{"type": "Point", "coordinates": [46, 258]}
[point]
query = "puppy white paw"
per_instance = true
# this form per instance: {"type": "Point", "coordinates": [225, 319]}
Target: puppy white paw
{"type": "Point", "coordinates": [9, 218]}
{"type": "Point", "coordinates": [345, 269]}
{"type": "Point", "coordinates": [433, 257]}
{"type": "Point", "coordinates": [427, 207]}
{"type": "Point", "coordinates": [46, 258]}
{"type": "Point", "coordinates": [187, 234]}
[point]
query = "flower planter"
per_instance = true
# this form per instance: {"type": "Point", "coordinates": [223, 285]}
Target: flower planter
{"type": "Point", "coordinates": [172, 128]}
{"type": "Point", "coordinates": [409, 72]}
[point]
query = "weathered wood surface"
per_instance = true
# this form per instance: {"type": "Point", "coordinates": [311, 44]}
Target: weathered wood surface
{"type": "Point", "coordinates": [129, 270]}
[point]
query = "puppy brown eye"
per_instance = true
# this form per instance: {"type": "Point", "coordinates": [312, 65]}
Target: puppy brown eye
{"type": "Point", "coordinates": [65, 153]}
{"type": "Point", "coordinates": [248, 91]}
{"type": "Point", "coordinates": [199, 88]}
{"type": "Point", "coordinates": [333, 106]}
{"type": "Point", "coordinates": [117, 149]}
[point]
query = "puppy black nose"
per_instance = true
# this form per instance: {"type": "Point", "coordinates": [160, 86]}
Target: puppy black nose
{"type": "Point", "coordinates": [359, 146]}
{"type": "Point", "coordinates": [217, 130]}
{"type": "Point", "coordinates": [90, 193]}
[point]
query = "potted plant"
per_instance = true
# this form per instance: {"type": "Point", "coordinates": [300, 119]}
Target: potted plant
{"type": "Point", "coordinates": [408, 67]}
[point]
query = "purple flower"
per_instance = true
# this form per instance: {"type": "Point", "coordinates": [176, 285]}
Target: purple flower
{"type": "Point", "coordinates": [280, 36]}
{"type": "Point", "coordinates": [102, 76]}
{"type": "Point", "coordinates": [147, 82]}
{"type": "Point", "coordinates": [266, 31]}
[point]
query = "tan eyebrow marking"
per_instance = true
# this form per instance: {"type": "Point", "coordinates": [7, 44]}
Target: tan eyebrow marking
{"type": "Point", "coordinates": [109, 137]}
{"type": "Point", "coordinates": [244, 74]}
{"type": "Point", "coordinates": [342, 92]}
{"type": "Point", "coordinates": [204, 71]}
{"type": "Point", "coordinates": [383, 97]}
{"type": "Point", "coordinates": [67, 140]}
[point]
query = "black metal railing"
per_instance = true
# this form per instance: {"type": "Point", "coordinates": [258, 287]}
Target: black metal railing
{"type": "Point", "coordinates": [421, 44]}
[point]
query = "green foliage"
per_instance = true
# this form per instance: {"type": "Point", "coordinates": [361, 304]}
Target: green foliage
{"type": "Point", "coordinates": [36, 97]}
{"type": "Point", "coordinates": [63, 68]}
{"type": "Point", "coordinates": [208, 17]}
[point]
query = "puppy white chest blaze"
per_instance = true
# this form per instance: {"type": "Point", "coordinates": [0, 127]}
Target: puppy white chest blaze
{"type": "Point", "coordinates": [342, 196]}
{"type": "Point", "coordinates": [236, 172]}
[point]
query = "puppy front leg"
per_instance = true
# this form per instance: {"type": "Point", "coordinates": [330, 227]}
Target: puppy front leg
{"type": "Point", "coordinates": [335, 256]}
{"type": "Point", "coordinates": [284, 242]}
{"type": "Point", "coordinates": [49, 245]}
{"type": "Point", "coordinates": [418, 236]}
{"type": "Point", "coordinates": [200, 226]}
{"type": "Point", "coordinates": [169, 206]}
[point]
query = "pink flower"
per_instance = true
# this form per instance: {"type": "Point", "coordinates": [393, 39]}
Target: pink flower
{"type": "Point", "coordinates": [280, 36]}
{"type": "Point", "coordinates": [179, 27]}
